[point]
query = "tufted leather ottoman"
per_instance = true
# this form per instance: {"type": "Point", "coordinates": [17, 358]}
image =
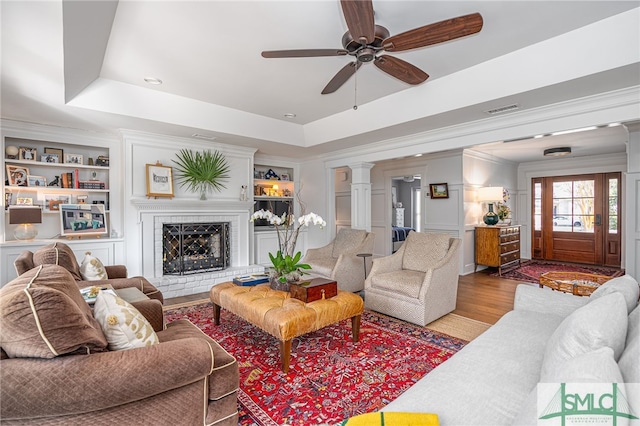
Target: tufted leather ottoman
{"type": "Point", "coordinates": [282, 316]}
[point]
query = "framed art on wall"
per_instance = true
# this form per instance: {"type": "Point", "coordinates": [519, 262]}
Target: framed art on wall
{"type": "Point", "coordinates": [439, 190]}
{"type": "Point", "coordinates": [159, 180]}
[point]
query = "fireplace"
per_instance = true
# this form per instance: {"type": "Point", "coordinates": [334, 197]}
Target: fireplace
{"type": "Point", "coordinates": [192, 248]}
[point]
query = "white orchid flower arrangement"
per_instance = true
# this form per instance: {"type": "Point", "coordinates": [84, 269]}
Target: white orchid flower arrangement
{"type": "Point", "coordinates": [285, 263]}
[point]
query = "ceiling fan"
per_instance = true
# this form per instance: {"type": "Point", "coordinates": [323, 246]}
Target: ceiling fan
{"type": "Point", "coordinates": [365, 40]}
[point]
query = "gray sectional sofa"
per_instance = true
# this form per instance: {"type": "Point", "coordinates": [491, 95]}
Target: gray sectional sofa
{"type": "Point", "coordinates": [549, 337]}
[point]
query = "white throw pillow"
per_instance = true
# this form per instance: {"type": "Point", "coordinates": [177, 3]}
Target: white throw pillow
{"type": "Point", "coordinates": [91, 269]}
{"type": "Point", "coordinates": [625, 284]}
{"type": "Point", "coordinates": [122, 324]}
{"type": "Point", "coordinates": [601, 322]}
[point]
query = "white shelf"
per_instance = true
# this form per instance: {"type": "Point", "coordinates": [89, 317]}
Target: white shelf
{"type": "Point", "coordinates": [60, 165]}
{"type": "Point", "coordinates": [53, 189]}
{"type": "Point", "coordinates": [266, 197]}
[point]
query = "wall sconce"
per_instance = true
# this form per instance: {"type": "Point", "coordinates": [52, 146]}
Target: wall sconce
{"type": "Point", "coordinates": [490, 194]}
{"type": "Point", "coordinates": [25, 217]}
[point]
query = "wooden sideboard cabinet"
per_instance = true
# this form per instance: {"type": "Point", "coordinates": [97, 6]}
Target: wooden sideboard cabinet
{"type": "Point", "coordinates": [497, 246]}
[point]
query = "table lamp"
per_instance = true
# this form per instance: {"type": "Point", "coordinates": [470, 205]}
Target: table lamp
{"type": "Point", "coordinates": [25, 217]}
{"type": "Point", "coordinates": [490, 194]}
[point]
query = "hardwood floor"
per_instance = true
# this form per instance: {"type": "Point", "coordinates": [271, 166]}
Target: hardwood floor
{"type": "Point", "coordinates": [480, 297]}
{"type": "Point", "coordinates": [485, 298]}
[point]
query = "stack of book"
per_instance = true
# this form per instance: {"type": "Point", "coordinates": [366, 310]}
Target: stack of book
{"type": "Point", "coordinates": [91, 184]}
{"type": "Point", "coordinates": [249, 280]}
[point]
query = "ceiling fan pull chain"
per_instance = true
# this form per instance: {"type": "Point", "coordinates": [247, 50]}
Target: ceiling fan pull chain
{"type": "Point", "coordinates": [355, 88]}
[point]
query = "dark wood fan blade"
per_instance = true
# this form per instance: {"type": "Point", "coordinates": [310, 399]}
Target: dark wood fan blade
{"type": "Point", "coordinates": [400, 69]}
{"type": "Point", "coordinates": [341, 77]}
{"type": "Point", "coordinates": [359, 17]}
{"type": "Point", "coordinates": [434, 33]}
{"type": "Point", "coordinates": [303, 53]}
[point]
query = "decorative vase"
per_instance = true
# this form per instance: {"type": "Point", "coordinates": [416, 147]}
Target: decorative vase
{"type": "Point", "coordinates": [276, 284]}
{"type": "Point", "coordinates": [203, 194]}
{"type": "Point", "coordinates": [491, 218]}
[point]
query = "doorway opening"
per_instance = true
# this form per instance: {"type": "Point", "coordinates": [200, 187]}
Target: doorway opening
{"type": "Point", "coordinates": [406, 212]}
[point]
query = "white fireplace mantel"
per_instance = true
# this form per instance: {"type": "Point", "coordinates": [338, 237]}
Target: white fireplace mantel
{"type": "Point", "coordinates": [153, 213]}
{"type": "Point", "coordinates": [169, 205]}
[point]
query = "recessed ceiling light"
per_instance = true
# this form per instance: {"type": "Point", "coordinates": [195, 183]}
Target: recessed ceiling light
{"type": "Point", "coordinates": [153, 80]}
{"type": "Point", "coordinates": [613, 124]}
{"type": "Point", "coordinates": [557, 152]}
{"type": "Point", "coordinates": [418, 155]}
{"type": "Point", "coordinates": [289, 115]}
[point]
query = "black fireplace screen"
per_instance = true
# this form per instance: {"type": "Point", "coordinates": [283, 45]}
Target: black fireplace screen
{"type": "Point", "coordinates": [190, 248]}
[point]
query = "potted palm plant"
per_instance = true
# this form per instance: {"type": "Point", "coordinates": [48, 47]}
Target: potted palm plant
{"type": "Point", "coordinates": [201, 172]}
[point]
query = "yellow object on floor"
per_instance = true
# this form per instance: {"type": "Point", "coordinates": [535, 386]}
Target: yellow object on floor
{"type": "Point", "coordinates": [393, 419]}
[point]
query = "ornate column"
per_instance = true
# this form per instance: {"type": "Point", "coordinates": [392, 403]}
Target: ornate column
{"type": "Point", "coordinates": [361, 195]}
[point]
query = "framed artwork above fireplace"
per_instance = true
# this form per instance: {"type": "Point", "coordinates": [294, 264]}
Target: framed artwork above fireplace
{"type": "Point", "coordinates": [159, 180]}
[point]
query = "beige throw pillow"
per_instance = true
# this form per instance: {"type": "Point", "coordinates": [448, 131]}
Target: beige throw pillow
{"type": "Point", "coordinates": [92, 268]}
{"type": "Point", "coordinates": [122, 324]}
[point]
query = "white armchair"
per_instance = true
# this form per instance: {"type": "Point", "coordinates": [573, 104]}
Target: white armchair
{"type": "Point", "coordinates": [338, 261]}
{"type": "Point", "coordinates": [419, 282]}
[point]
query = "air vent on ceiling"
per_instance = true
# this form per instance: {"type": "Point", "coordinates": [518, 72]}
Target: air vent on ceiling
{"type": "Point", "coordinates": [201, 136]}
{"type": "Point", "coordinates": [503, 109]}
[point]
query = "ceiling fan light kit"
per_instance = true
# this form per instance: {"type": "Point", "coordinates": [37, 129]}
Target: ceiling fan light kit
{"type": "Point", "coordinates": [365, 41]}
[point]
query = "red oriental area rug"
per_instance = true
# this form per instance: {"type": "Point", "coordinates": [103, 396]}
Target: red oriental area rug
{"type": "Point", "coordinates": [531, 270]}
{"type": "Point", "coordinates": [330, 377]}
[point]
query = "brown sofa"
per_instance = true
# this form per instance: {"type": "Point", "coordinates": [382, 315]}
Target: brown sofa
{"type": "Point", "coordinates": [55, 367]}
{"type": "Point", "coordinates": [61, 254]}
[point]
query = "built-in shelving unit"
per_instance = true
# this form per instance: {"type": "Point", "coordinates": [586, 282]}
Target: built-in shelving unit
{"type": "Point", "coordinates": [40, 182]}
{"type": "Point", "coordinates": [272, 183]}
{"type": "Point", "coordinates": [54, 173]}
{"type": "Point", "coordinates": [273, 189]}
{"type": "Point", "coordinates": [69, 145]}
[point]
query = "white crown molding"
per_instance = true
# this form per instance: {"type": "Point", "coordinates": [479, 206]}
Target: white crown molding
{"type": "Point", "coordinates": [48, 133]}
{"type": "Point", "coordinates": [153, 139]}
{"type": "Point", "coordinates": [624, 103]}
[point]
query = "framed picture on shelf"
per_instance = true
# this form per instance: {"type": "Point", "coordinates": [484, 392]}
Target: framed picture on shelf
{"type": "Point", "coordinates": [36, 180]}
{"type": "Point", "coordinates": [24, 201]}
{"type": "Point", "coordinates": [159, 180]}
{"type": "Point", "coordinates": [50, 158]}
{"type": "Point", "coordinates": [82, 219]}
{"type": "Point", "coordinates": [17, 175]}
{"type": "Point", "coordinates": [284, 176]}
{"type": "Point", "coordinates": [439, 190]}
{"type": "Point", "coordinates": [102, 161]}
{"type": "Point", "coordinates": [8, 196]}
{"type": "Point", "coordinates": [73, 158]}
{"type": "Point", "coordinates": [26, 153]}
{"type": "Point", "coordinates": [52, 201]}
{"type": "Point", "coordinates": [57, 151]}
